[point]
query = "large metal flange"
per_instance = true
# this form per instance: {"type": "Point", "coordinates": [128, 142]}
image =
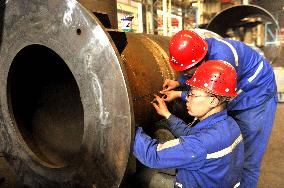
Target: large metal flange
{"type": "Point", "coordinates": [65, 104]}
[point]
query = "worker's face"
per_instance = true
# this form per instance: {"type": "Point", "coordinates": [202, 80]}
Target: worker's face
{"type": "Point", "coordinates": [198, 102]}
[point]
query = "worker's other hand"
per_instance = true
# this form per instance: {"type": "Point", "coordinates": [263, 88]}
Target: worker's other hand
{"type": "Point", "coordinates": [171, 95]}
{"type": "Point", "coordinates": [170, 85]}
{"type": "Point", "coordinates": [161, 107]}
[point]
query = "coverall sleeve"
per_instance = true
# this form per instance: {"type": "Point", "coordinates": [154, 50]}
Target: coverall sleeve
{"type": "Point", "coordinates": [177, 126]}
{"type": "Point", "coordinates": [183, 96]}
{"type": "Point", "coordinates": [188, 154]}
{"type": "Point", "coordinates": [182, 79]}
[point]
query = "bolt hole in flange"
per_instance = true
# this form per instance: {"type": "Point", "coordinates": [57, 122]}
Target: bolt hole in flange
{"type": "Point", "coordinates": [78, 31]}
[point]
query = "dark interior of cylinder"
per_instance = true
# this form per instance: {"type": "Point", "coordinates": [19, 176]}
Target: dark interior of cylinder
{"type": "Point", "coordinates": [45, 105]}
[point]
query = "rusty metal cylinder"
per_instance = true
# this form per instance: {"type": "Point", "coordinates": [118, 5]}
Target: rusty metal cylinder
{"type": "Point", "coordinates": [146, 63]}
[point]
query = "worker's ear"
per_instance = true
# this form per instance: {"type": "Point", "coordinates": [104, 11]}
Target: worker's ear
{"type": "Point", "coordinates": [214, 102]}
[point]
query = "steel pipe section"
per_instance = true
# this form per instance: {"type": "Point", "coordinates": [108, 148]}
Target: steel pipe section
{"type": "Point", "coordinates": [66, 111]}
{"type": "Point", "coordinates": [146, 64]}
{"type": "Point", "coordinates": [71, 92]}
{"type": "Point", "coordinates": [232, 17]}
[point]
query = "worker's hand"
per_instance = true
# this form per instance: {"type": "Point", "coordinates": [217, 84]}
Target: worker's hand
{"type": "Point", "coordinates": [161, 107]}
{"type": "Point", "coordinates": [171, 95]}
{"type": "Point", "coordinates": [170, 85]}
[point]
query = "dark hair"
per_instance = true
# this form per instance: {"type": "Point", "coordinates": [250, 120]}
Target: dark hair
{"type": "Point", "coordinates": [223, 100]}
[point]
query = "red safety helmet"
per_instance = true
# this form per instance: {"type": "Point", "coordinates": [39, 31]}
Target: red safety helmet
{"type": "Point", "coordinates": [215, 76]}
{"type": "Point", "coordinates": [187, 48]}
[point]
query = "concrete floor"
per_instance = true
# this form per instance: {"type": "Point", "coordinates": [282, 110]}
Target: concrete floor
{"type": "Point", "coordinates": [272, 171]}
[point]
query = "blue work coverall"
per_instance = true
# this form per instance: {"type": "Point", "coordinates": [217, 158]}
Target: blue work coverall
{"type": "Point", "coordinates": [210, 154]}
{"type": "Point", "coordinates": [254, 107]}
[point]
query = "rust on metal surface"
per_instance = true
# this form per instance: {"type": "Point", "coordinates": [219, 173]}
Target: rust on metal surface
{"type": "Point", "coordinates": [146, 63]}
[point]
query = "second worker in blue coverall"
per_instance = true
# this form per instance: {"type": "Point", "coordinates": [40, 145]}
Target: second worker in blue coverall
{"type": "Point", "coordinates": [254, 107]}
{"type": "Point", "coordinates": [209, 154]}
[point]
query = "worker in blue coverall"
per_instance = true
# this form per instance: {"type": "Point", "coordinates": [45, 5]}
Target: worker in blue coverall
{"type": "Point", "coordinates": [210, 153]}
{"type": "Point", "coordinates": [254, 107]}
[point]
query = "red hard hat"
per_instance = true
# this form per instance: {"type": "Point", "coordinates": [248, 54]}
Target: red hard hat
{"type": "Point", "coordinates": [215, 76]}
{"type": "Point", "coordinates": [187, 48]}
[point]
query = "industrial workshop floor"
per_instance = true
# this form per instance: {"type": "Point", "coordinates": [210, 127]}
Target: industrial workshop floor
{"type": "Point", "coordinates": [272, 171]}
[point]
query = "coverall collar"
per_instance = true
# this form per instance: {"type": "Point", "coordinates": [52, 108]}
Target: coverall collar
{"type": "Point", "coordinates": [212, 119]}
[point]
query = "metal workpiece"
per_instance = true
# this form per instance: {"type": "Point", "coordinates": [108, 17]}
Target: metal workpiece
{"type": "Point", "coordinates": [68, 93]}
{"type": "Point", "coordinates": [146, 63]}
{"type": "Point", "coordinates": [66, 109]}
{"type": "Point", "coordinates": [234, 18]}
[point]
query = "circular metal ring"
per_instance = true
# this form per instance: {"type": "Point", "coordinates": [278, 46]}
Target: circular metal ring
{"type": "Point", "coordinates": [64, 99]}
